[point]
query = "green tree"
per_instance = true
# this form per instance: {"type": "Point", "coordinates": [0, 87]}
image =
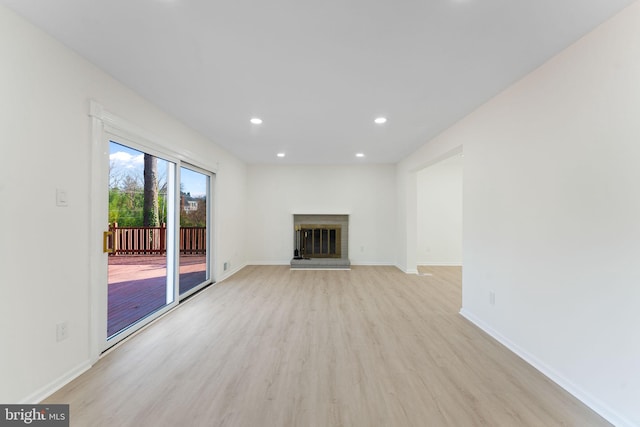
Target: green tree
{"type": "Point", "coordinates": [127, 196]}
{"type": "Point", "coordinates": [150, 217]}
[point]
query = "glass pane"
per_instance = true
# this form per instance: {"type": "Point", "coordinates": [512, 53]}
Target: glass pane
{"type": "Point", "coordinates": [332, 241]}
{"type": "Point", "coordinates": [307, 247]}
{"type": "Point", "coordinates": [316, 241]}
{"type": "Point", "coordinates": [325, 241]}
{"type": "Point", "coordinates": [139, 282]}
{"type": "Point", "coordinates": [194, 189]}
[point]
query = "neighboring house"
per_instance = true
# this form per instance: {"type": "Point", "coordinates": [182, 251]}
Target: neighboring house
{"type": "Point", "coordinates": [190, 205]}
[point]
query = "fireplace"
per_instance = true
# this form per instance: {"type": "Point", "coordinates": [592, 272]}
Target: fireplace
{"type": "Point", "coordinates": [320, 241]}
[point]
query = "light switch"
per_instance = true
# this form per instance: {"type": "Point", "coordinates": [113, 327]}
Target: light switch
{"type": "Point", "coordinates": [61, 198]}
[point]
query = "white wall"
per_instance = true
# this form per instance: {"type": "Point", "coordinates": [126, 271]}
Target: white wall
{"type": "Point", "coordinates": [439, 213]}
{"type": "Point", "coordinates": [551, 216]}
{"type": "Point", "coordinates": [45, 137]}
{"type": "Point", "coordinates": [366, 193]}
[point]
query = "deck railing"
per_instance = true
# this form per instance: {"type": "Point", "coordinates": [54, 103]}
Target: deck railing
{"type": "Point", "coordinates": [153, 240]}
{"type": "Point", "coordinates": [193, 240]}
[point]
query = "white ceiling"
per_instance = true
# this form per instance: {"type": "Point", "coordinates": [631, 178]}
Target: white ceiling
{"type": "Point", "coordinates": [318, 72]}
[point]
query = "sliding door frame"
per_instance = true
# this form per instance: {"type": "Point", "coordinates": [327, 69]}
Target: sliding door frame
{"type": "Point", "coordinates": [105, 127]}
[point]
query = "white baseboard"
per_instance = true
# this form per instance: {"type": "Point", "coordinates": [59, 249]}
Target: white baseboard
{"type": "Point", "coordinates": [373, 264]}
{"type": "Point", "coordinates": [439, 264]}
{"type": "Point", "coordinates": [55, 385]}
{"type": "Point", "coordinates": [286, 262]}
{"type": "Point", "coordinates": [227, 274]}
{"type": "Point", "coordinates": [595, 404]}
{"type": "Point", "coordinates": [406, 270]}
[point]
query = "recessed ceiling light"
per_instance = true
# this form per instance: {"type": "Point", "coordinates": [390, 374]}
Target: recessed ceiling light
{"type": "Point", "coordinates": [280, 154]}
{"type": "Point", "coordinates": [256, 121]}
{"type": "Point", "coordinates": [359, 154]}
{"type": "Point", "coordinates": [380, 120]}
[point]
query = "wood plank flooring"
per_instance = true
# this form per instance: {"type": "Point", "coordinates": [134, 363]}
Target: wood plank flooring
{"type": "Point", "coordinates": [273, 347]}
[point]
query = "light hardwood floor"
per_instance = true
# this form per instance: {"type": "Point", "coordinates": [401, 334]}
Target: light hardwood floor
{"type": "Point", "coordinates": [273, 347]}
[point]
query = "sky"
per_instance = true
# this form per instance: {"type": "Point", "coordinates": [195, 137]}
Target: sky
{"type": "Point", "coordinates": [127, 160]}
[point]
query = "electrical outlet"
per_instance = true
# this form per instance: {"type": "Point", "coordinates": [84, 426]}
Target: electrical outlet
{"type": "Point", "coordinates": [492, 298]}
{"type": "Point", "coordinates": [62, 331]}
{"type": "Point", "coordinates": [226, 266]}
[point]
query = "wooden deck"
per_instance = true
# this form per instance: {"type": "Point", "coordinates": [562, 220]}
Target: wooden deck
{"type": "Point", "coordinates": [137, 286]}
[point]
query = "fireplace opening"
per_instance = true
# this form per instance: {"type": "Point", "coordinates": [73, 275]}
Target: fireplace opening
{"type": "Point", "coordinates": [319, 241]}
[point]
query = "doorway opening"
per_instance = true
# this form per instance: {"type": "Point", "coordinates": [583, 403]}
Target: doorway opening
{"type": "Point", "coordinates": [439, 213]}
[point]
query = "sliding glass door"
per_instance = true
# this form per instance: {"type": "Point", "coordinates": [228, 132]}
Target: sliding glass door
{"type": "Point", "coordinates": [154, 214]}
{"type": "Point", "coordinates": [194, 243]}
{"type": "Point", "coordinates": [141, 244]}
{"type": "Point", "coordinates": [142, 248]}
